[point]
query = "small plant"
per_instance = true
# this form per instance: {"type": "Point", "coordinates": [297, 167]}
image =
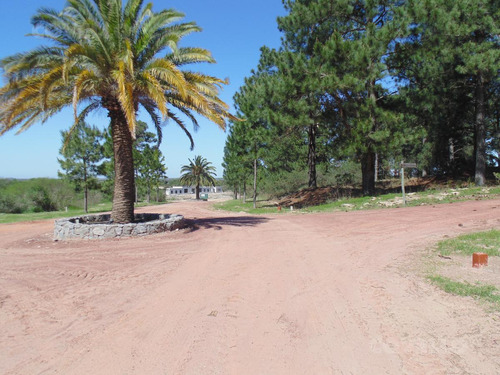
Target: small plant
{"type": "Point", "coordinates": [482, 292]}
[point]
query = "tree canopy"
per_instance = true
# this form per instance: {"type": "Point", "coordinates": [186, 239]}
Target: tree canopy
{"type": "Point", "coordinates": [373, 82]}
{"type": "Point", "coordinates": [198, 172]}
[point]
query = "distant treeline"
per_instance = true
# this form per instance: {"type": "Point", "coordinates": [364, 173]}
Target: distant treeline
{"type": "Point", "coordinates": [41, 195]}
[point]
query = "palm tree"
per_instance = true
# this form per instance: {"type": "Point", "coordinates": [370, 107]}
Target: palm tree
{"type": "Point", "coordinates": [106, 55]}
{"type": "Point", "coordinates": [198, 172]}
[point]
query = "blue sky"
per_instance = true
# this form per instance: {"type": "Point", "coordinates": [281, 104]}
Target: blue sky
{"type": "Point", "coordinates": [233, 31]}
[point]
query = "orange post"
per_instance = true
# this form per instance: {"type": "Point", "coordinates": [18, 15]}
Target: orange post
{"type": "Point", "coordinates": [479, 259]}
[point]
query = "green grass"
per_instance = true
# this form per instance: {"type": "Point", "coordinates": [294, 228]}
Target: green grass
{"type": "Point", "coordinates": [428, 197]}
{"type": "Point", "coordinates": [31, 216]}
{"type": "Point", "coordinates": [487, 293]}
{"type": "Point", "coordinates": [467, 244]}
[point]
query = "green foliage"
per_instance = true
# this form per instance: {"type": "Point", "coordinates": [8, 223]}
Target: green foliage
{"type": "Point", "coordinates": [283, 183]}
{"type": "Point", "coordinates": [81, 151]}
{"type": "Point", "coordinates": [484, 242]}
{"type": "Point", "coordinates": [35, 195]}
{"type": "Point", "coordinates": [373, 83]}
{"type": "Point", "coordinates": [41, 200]}
{"type": "Point", "coordinates": [149, 162]}
{"type": "Point", "coordinates": [341, 173]}
{"type": "Point", "coordinates": [448, 63]}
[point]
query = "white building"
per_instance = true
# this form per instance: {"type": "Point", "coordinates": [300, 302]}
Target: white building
{"type": "Point", "coordinates": [180, 190]}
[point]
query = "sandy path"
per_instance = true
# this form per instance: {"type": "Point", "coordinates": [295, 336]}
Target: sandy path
{"type": "Point", "coordinates": [283, 294]}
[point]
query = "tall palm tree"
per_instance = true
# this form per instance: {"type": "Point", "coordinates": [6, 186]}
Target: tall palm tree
{"type": "Point", "coordinates": [198, 172]}
{"type": "Point", "coordinates": [106, 55]}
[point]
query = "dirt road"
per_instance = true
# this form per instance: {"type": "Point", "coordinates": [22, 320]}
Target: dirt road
{"type": "Point", "coordinates": [335, 293]}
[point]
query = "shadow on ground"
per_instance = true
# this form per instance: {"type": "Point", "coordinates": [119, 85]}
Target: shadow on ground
{"type": "Point", "coordinates": [219, 222]}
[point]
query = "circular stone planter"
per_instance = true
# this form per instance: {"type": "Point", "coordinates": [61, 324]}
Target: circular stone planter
{"type": "Point", "coordinates": [100, 227]}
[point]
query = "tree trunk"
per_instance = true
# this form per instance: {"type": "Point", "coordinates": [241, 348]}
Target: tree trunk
{"type": "Point", "coordinates": [197, 191]}
{"type": "Point", "coordinates": [368, 157]}
{"type": "Point", "coordinates": [85, 189]}
{"type": "Point", "coordinates": [244, 192]}
{"type": "Point", "coordinates": [235, 191]}
{"type": "Point", "coordinates": [255, 183]}
{"type": "Point", "coordinates": [376, 168]}
{"type": "Point", "coordinates": [368, 172]}
{"type": "Point", "coordinates": [311, 156]}
{"type": "Point", "coordinates": [124, 189]}
{"type": "Point", "coordinates": [480, 145]}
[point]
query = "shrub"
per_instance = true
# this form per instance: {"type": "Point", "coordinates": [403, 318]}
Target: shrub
{"type": "Point", "coordinates": [12, 205]}
{"type": "Point", "coordinates": [41, 200]}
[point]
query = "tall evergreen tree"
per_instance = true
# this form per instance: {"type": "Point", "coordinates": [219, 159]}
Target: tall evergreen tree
{"type": "Point", "coordinates": [151, 169]}
{"type": "Point", "coordinates": [237, 163]}
{"type": "Point", "coordinates": [82, 152]}
{"type": "Point", "coordinates": [450, 62]}
{"type": "Point", "coordinates": [252, 103]}
{"type": "Point", "coordinates": [348, 43]}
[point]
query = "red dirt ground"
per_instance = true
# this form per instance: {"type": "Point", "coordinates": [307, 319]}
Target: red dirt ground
{"type": "Point", "coordinates": [332, 293]}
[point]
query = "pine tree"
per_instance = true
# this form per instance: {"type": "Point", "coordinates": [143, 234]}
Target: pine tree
{"type": "Point", "coordinates": [348, 42]}
{"type": "Point", "coordinates": [82, 152]}
{"type": "Point", "coordinates": [449, 62]}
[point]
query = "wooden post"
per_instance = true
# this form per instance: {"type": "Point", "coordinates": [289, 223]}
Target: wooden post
{"type": "Point", "coordinates": [403, 182]}
{"type": "Point", "coordinates": [403, 166]}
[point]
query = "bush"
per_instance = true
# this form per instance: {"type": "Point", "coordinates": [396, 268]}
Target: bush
{"type": "Point", "coordinates": [38, 194]}
{"type": "Point", "coordinates": [341, 174]}
{"type": "Point", "coordinates": [41, 200]}
{"type": "Point", "coordinates": [284, 183]}
{"type": "Point", "coordinates": [12, 205]}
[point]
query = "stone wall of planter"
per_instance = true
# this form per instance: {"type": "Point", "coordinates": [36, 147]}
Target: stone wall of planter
{"type": "Point", "coordinates": [91, 227]}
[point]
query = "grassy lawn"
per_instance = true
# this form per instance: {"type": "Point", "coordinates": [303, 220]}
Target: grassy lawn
{"type": "Point", "coordinates": [72, 211]}
{"type": "Point", "coordinates": [484, 242]}
{"type": "Point", "coordinates": [463, 283]}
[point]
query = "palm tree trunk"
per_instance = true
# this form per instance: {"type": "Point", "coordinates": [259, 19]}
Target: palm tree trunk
{"type": "Point", "coordinates": [197, 191]}
{"type": "Point", "coordinates": [124, 189]}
